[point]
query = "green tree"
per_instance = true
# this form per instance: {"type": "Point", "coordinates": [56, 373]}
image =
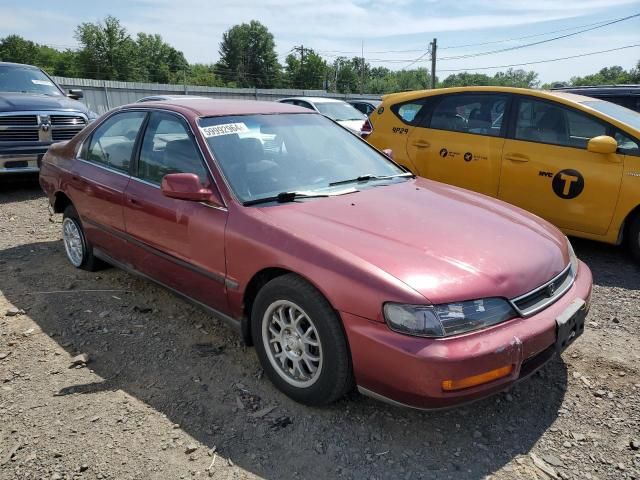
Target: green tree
{"type": "Point", "coordinates": [516, 78]}
{"type": "Point", "coordinates": [307, 70]}
{"type": "Point", "coordinates": [107, 52]}
{"type": "Point", "coordinates": [606, 76]}
{"type": "Point", "coordinates": [14, 48]}
{"type": "Point", "coordinates": [201, 74]}
{"type": "Point", "coordinates": [157, 60]}
{"type": "Point", "coordinates": [248, 56]}
{"type": "Point", "coordinates": [466, 79]}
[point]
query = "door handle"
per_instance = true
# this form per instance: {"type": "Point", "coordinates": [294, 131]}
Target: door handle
{"type": "Point", "coordinates": [421, 144]}
{"type": "Point", "coordinates": [135, 203]}
{"type": "Point", "coordinates": [516, 157]}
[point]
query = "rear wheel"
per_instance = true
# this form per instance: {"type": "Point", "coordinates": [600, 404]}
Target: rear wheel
{"type": "Point", "coordinates": [633, 236]}
{"type": "Point", "coordinates": [78, 249]}
{"type": "Point", "coordinates": [300, 342]}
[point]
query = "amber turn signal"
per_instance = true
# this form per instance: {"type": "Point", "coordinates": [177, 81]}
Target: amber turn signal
{"type": "Point", "coordinates": [486, 377]}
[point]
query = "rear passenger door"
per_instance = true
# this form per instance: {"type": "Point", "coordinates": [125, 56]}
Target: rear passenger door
{"type": "Point", "coordinates": [177, 242]}
{"type": "Point", "coordinates": [99, 177]}
{"type": "Point", "coordinates": [459, 140]}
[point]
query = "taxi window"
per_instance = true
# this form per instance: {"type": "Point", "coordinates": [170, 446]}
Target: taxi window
{"type": "Point", "coordinates": [627, 145]}
{"type": "Point", "coordinates": [478, 114]}
{"type": "Point", "coordinates": [546, 122]}
{"type": "Point", "coordinates": [408, 112]}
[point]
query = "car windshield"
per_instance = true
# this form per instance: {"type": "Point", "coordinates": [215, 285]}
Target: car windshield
{"type": "Point", "coordinates": [340, 111]}
{"type": "Point", "coordinates": [264, 155]}
{"type": "Point", "coordinates": [622, 114]}
{"type": "Point", "coordinates": [16, 78]}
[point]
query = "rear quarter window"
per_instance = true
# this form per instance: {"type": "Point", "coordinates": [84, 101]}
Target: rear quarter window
{"type": "Point", "coordinates": [409, 112]}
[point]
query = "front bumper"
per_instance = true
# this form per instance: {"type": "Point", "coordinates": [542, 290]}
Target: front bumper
{"type": "Point", "coordinates": [409, 370]}
{"type": "Point", "coordinates": [22, 158]}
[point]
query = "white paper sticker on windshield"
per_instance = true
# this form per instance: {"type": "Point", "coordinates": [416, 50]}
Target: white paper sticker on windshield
{"type": "Point", "coordinates": [224, 129]}
{"type": "Point", "coordinates": [42, 82]}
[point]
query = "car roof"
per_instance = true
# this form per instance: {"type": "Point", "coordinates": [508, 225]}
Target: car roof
{"type": "Point", "coordinates": [210, 107]}
{"type": "Point", "coordinates": [314, 99]}
{"type": "Point", "coordinates": [151, 98]}
{"type": "Point", "coordinates": [602, 89]}
{"type": "Point", "coordinates": [549, 94]}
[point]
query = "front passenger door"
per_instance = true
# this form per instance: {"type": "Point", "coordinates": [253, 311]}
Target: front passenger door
{"type": "Point", "coordinates": [176, 242]}
{"type": "Point", "coordinates": [547, 169]}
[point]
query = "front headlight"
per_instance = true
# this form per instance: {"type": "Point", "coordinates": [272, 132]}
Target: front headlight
{"type": "Point", "coordinates": [573, 259]}
{"type": "Point", "coordinates": [447, 319]}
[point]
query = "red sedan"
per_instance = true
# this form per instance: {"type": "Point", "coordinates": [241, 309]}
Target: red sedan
{"type": "Point", "coordinates": [341, 268]}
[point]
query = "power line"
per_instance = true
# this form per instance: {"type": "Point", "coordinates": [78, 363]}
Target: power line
{"type": "Point", "coordinates": [540, 61]}
{"type": "Point", "coordinates": [473, 55]}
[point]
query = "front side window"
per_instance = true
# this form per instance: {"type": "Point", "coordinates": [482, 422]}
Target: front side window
{"type": "Point", "coordinates": [627, 145]}
{"type": "Point", "coordinates": [167, 148]}
{"type": "Point", "coordinates": [264, 155]}
{"type": "Point", "coordinates": [112, 142]}
{"type": "Point", "coordinates": [547, 122]}
{"type": "Point", "coordinates": [479, 114]}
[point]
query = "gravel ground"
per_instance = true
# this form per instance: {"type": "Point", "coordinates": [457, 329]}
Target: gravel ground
{"type": "Point", "coordinates": [168, 392]}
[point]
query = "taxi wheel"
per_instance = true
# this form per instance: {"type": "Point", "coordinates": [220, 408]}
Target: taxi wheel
{"type": "Point", "coordinates": [633, 236]}
{"type": "Point", "coordinates": [300, 341]}
{"type": "Point", "coordinates": [78, 249]}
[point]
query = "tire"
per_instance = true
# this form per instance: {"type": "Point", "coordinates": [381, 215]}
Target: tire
{"type": "Point", "coordinates": [78, 249]}
{"type": "Point", "coordinates": [633, 236]}
{"type": "Point", "coordinates": [281, 346]}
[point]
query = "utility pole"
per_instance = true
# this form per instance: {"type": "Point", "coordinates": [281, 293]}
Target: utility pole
{"type": "Point", "coordinates": [362, 70]}
{"type": "Point", "coordinates": [301, 73]}
{"type": "Point", "coordinates": [434, 48]}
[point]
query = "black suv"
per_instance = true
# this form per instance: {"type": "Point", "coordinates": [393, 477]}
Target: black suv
{"type": "Point", "coordinates": [625, 95]}
{"type": "Point", "coordinates": [34, 113]}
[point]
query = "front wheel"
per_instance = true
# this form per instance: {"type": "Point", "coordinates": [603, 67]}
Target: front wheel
{"type": "Point", "coordinates": [78, 249]}
{"type": "Point", "coordinates": [300, 342]}
{"type": "Point", "coordinates": [633, 236]}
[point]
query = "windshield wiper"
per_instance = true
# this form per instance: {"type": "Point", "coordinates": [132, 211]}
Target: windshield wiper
{"type": "Point", "coordinates": [284, 197]}
{"type": "Point", "coordinates": [368, 177]}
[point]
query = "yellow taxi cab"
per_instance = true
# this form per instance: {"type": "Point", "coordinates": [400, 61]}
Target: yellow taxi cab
{"type": "Point", "coordinates": [570, 159]}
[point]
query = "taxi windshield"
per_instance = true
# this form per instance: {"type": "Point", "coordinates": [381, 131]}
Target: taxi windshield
{"type": "Point", "coordinates": [620, 113]}
{"type": "Point", "coordinates": [267, 154]}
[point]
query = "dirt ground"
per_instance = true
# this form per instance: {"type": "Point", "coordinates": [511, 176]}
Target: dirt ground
{"type": "Point", "coordinates": [171, 393]}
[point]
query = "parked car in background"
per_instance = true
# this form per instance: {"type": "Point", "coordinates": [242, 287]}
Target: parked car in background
{"type": "Point", "coordinates": [365, 106]}
{"type": "Point", "coordinates": [34, 113]}
{"type": "Point", "coordinates": [158, 98]}
{"type": "Point", "coordinates": [341, 267]}
{"type": "Point", "coordinates": [570, 159]}
{"type": "Point", "coordinates": [624, 95]}
{"type": "Point", "coordinates": [343, 113]}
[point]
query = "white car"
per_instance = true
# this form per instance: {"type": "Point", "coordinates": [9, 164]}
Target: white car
{"type": "Point", "coordinates": [342, 112]}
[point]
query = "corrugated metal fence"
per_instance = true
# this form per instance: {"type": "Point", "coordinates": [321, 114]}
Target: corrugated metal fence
{"type": "Point", "coordinates": [103, 95]}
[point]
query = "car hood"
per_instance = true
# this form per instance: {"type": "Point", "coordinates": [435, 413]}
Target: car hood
{"type": "Point", "coordinates": [446, 243]}
{"type": "Point", "coordinates": [16, 102]}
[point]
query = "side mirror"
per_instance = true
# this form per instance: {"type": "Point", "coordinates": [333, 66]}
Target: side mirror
{"type": "Point", "coordinates": [602, 144]}
{"type": "Point", "coordinates": [388, 152]}
{"type": "Point", "coordinates": [186, 186]}
{"type": "Point", "coordinates": [75, 93]}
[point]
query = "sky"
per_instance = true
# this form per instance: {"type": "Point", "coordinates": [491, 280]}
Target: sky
{"type": "Point", "coordinates": [394, 33]}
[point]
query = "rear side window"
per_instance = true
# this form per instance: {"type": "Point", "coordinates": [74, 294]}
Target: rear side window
{"type": "Point", "coordinates": [409, 112]}
{"type": "Point", "coordinates": [547, 122]}
{"type": "Point", "coordinates": [478, 114]}
{"type": "Point", "coordinates": [112, 142]}
{"type": "Point", "coordinates": [168, 148]}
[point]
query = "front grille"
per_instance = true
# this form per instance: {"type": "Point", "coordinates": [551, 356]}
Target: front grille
{"type": "Point", "coordinates": [18, 120]}
{"type": "Point", "coordinates": [19, 135]}
{"type": "Point", "coordinates": [59, 134]}
{"type": "Point", "coordinates": [67, 120]}
{"type": "Point", "coordinates": [544, 295]}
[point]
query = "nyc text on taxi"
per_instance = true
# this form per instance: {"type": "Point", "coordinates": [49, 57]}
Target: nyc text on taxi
{"type": "Point", "coordinates": [570, 159]}
{"type": "Point", "coordinates": [339, 266]}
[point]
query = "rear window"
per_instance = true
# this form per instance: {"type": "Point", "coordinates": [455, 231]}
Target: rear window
{"type": "Point", "coordinates": [408, 112]}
